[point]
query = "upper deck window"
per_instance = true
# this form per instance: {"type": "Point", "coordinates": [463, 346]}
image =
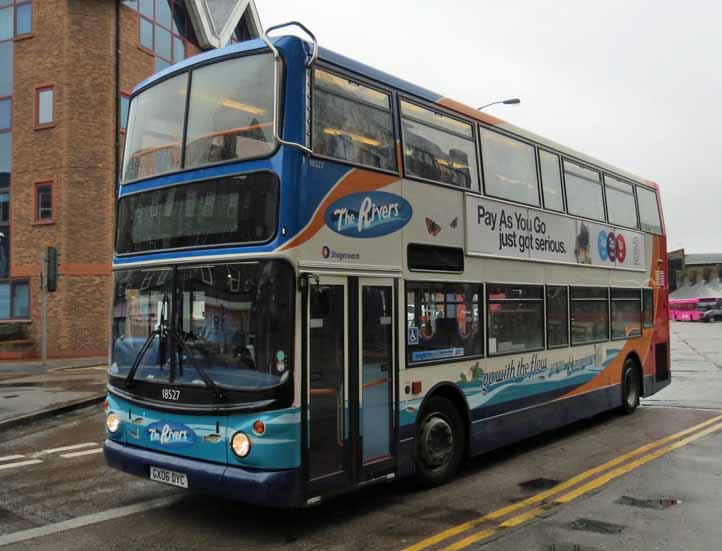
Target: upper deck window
{"type": "Point", "coordinates": [352, 122]}
{"type": "Point", "coordinates": [231, 111]}
{"type": "Point", "coordinates": [201, 214]}
{"type": "Point", "coordinates": [230, 117]}
{"type": "Point", "coordinates": [584, 191]}
{"type": "Point", "coordinates": [551, 181]}
{"type": "Point", "coordinates": [437, 147]}
{"type": "Point", "coordinates": [509, 168]}
{"type": "Point", "coordinates": [648, 210]}
{"type": "Point", "coordinates": [621, 207]}
{"type": "Point", "coordinates": [155, 130]}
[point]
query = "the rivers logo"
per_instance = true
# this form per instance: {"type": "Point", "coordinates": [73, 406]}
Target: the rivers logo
{"type": "Point", "coordinates": [170, 434]}
{"type": "Point", "coordinates": [370, 214]}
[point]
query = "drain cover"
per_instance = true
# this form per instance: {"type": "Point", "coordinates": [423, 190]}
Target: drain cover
{"type": "Point", "coordinates": [654, 503]}
{"type": "Point", "coordinates": [539, 484]}
{"type": "Point", "coordinates": [12, 396]}
{"type": "Point", "coordinates": [598, 526]}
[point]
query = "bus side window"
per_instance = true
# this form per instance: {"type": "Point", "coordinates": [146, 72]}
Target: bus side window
{"type": "Point", "coordinates": [437, 147]}
{"type": "Point", "coordinates": [352, 122]}
{"type": "Point", "coordinates": [648, 307]}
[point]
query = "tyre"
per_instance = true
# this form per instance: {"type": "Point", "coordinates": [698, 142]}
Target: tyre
{"type": "Point", "coordinates": [631, 386]}
{"type": "Point", "coordinates": [718, 318]}
{"type": "Point", "coordinates": [440, 442]}
{"type": "Point", "coordinates": [706, 320]}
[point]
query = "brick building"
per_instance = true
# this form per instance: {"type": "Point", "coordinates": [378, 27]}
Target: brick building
{"type": "Point", "coordinates": [66, 69]}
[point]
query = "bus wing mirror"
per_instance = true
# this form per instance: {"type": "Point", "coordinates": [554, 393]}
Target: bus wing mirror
{"type": "Point", "coordinates": [277, 79]}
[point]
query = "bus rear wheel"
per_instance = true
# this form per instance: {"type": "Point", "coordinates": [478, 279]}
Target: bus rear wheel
{"type": "Point", "coordinates": [440, 442]}
{"type": "Point", "coordinates": [631, 386]}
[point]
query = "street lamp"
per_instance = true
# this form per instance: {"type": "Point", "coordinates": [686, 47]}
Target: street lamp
{"type": "Point", "coordinates": [511, 101]}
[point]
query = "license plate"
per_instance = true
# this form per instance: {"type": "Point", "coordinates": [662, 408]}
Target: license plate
{"type": "Point", "coordinates": [168, 477]}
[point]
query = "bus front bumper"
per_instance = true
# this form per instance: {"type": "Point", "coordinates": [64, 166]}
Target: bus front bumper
{"type": "Point", "coordinates": [257, 487]}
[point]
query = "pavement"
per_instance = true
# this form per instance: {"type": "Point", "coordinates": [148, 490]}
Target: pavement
{"type": "Point", "coordinates": [651, 480]}
{"type": "Point", "coordinates": [31, 390]}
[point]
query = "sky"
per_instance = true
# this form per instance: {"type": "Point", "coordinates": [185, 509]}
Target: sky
{"type": "Point", "coordinates": [634, 83]}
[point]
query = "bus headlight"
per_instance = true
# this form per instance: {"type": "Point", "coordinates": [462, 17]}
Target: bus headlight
{"type": "Point", "coordinates": [112, 423]}
{"type": "Point", "coordinates": [241, 444]}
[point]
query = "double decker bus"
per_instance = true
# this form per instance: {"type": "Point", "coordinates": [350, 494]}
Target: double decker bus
{"type": "Point", "coordinates": [684, 309]}
{"type": "Point", "coordinates": [326, 277]}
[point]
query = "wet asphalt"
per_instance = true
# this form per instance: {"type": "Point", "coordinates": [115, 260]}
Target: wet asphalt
{"type": "Point", "coordinates": [118, 511]}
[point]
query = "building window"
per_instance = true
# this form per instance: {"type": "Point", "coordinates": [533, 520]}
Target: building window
{"type": "Point", "coordinates": [23, 18]}
{"type": "Point", "coordinates": [437, 147]}
{"type": "Point", "coordinates": [16, 18]}
{"type": "Point", "coordinates": [6, 107]}
{"type": "Point", "coordinates": [123, 111]}
{"type": "Point", "coordinates": [14, 300]}
{"type": "Point", "coordinates": [515, 318]}
{"type": "Point", "coordinates": [4, 251]}
{"type": "Point", "coordinates": [163, 29]}
{"type": "Point", "coordinates": [509, 168]}
{"type": "Point", "coordinates": [590, 314]}
{"type": "Point", "coordinates": [352, 122]}
{"type": "Point", "coordinates": [557, 316]}
{"type": "Point", "coordinates": [44, 106]}
{"type": "Point", "coordinates": [44, 202]}
{"type": "Point", "coordinates": [443, 321]}
{"type": "Point", "coordinates": [551, 181]}
{"type": "Point", "coordinates": [6, 21]}
{"type": "Point", "coordinates": [626, 313]}
{"type": "Point", "coordinates": [584, 191]}
{"type": "Point", "coordinates": [4, 206]}
{"type": "Point", "coordinates": [6, 68]}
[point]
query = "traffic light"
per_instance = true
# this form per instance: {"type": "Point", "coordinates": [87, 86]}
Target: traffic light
{"type": "Point", "coordinates": [52, 259]}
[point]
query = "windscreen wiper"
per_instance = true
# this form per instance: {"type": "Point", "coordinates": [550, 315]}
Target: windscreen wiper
{"type": "Point", "coordinates": [201, 371]}
{"type": "Point", "coordinates": [143, 349]}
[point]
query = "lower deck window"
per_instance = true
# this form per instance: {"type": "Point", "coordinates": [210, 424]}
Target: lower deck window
{"type": "Point", "coordinates": [648, 300]}
{"type": "Point", "coordinates": [443, 321]}
{"type": "Point", "coordinates": [626, 313]}
{"type": "Point", "coordinates": [590, 314]}
{"type": "Point", "coordinates": [515, 317]}
{"type": "Point", "coordinates": [557, 316]}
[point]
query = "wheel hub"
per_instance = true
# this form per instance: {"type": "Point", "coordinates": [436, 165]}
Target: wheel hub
{"type": "Point", "coordinates": [436, 442]}
{"type": "Point", "coordinates": [631, 388]}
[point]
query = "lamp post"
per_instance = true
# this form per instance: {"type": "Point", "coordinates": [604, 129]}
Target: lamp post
{"type": "Point", "coordinates": [511, 101]}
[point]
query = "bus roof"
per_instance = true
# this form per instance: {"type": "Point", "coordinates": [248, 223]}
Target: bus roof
{"type": "Point", "coordinates": [391, 81]}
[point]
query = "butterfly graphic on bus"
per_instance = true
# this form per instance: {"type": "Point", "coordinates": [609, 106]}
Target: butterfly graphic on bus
{"type": "Point", "coordinates": [432, 227]}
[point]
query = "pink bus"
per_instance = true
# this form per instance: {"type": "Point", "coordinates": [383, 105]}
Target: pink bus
{"type": "Point", "coordinates": [689, 309]}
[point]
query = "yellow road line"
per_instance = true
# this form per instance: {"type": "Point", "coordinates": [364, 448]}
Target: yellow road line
{"type": "Point", "coordinates": [581, 490]}
{"type": "Point", "coordinates": [461, 528]}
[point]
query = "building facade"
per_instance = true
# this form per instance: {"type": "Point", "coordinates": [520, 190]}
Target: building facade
{"type": "Point", "coordinates": [694, 275]}
{"type": "Point", "coordinates": [67, 68]}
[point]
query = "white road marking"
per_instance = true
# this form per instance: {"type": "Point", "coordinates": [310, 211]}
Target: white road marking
{"type": "Point", "coordinates": [78, 454]}
{"type": "Point", "coordinates": [87, 520]}
{"type": "Point", "coordinates": [11, 457]}
{"type": "Point", "coordinates": [19, 464]}
{"type": "Point", "coordinates": [68, 448]}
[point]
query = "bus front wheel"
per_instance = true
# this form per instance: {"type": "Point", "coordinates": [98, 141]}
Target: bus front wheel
{"type": "Point", "coordinates": [631, 386]}
{"type": "Point", "coordinates": [439, 442]}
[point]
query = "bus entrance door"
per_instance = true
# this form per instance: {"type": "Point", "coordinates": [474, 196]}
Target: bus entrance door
{"type": "Point", "coordinates": [376, 381]}
{"type": "Point", "coordinates": [350, 347]}
{"type": "Point", "coordinates": [327, 374]}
